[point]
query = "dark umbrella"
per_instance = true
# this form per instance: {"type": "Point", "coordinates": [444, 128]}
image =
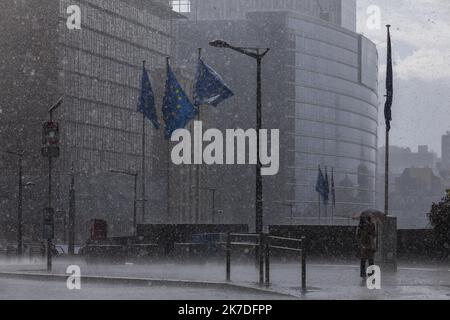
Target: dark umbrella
{"type": "Point", "coordinates": [372, 213]}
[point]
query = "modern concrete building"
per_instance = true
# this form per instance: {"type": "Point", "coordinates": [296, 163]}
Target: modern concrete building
{"type": "Point", "coordinates": [414, 191]}
{"type": "Point", "coordinates": [319, 89]}
{"type": "Point", "coordinates": [339, 12]}
{"type": "Point", "coordinates": [403, 158]}
{"type": "Point", "coordinates": [446, 150]}
{"type": "Point", "coordinates": [97, 70]}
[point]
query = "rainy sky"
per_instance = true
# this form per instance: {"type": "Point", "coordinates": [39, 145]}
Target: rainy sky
{"type": "Point", "coordinates": [421, 44]}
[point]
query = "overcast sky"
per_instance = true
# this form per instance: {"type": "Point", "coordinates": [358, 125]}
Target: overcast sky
{"type": "Point", "coordinates": [421, 48]}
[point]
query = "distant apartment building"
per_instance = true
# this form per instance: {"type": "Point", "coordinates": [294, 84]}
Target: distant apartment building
{"type": "Point", "coordinates": [446, 150]}
{"type": "Point", "coordinates": [412, 195]}
{"type": "Point", "coordinates": [403, 158]}
{"type": "Point", "coordinates": [416, 182]}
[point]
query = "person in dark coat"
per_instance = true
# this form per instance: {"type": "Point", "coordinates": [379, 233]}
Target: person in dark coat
{"type": "Point", "coordinates": [366, 236]}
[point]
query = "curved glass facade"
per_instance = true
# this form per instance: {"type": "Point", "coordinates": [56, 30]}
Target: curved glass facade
{"type": "Point", "coordinates": [319, 90]}
{"type": "Point", "coordinates": [336, 115]}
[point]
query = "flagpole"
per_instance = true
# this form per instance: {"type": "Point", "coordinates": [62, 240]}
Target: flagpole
{"type": "Point", "coordinates": [386, 166]}
{"type": "Point", "coordinates": [143, 164]}
{"type": "Point", "coordinates": [197, 191]}
{"type": "Point", "coordinates": [328, 189]}
{"type": "Point", "coordinates": [332, 214]}
{"type": "Point", "coordinates": [333, 194]}
{"type": "Point", "coordinates": [318, 198]}
{"type": "Point", "coordinates": [319, 207]}
{"type": "Point", "coordinates": [168, 160]}
{"type": "Point", "coordinates": [386, 176]}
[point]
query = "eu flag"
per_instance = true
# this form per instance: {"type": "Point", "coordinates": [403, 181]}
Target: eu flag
{"type": "Point", "coordinates": [321, 187]}
{"type": "Point", "coordinates": [209, 87]}
{"type": "Point", "coordinates": [389, 85]}
{"type": "Point", "coordinates": [177, 109]}
{"type": "Point", "coordinates": [146, 104]}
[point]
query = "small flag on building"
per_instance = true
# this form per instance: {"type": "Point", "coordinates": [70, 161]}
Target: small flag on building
{"type": "Point", "coordinates": [177, 108]}
{"type": "Point", "coordinates": [321, 187]}
{"type": "Point", "coordinates": [209, 87]}
{"type": "Point", "coordinates": [333, 189]}
{"type": "Point", "coordinates": [146, 104]}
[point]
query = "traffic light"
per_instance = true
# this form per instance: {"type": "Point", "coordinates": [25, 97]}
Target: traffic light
{"type": "Point", "coordinates": [50, 139]}
{"type": "Point", "coordinates": [49, 223]}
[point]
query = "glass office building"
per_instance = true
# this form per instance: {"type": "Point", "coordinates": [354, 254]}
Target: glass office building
{"type": "Point", "coordinates": [336, 108]}
{"type": "Point", "coordinates": [319, 89]}
{"type": "Point", "coordinates": [97, 70]}
{"type": "Point", "coordinates": [339, 12]}
{"type": "Point", "coordinates": [99, 74]}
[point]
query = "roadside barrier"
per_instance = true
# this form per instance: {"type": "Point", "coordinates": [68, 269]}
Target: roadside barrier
{"type": "Point", "coordinates": [265, 244]}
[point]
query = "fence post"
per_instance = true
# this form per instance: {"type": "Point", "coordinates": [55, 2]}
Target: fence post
{"type": "Point", "coordinates": [267, 262]}
{"type": "Point", "coordinates": [261, 259]}
{"type": "Point", "coordinates": [303, 265]}
{"type": "Point", "coordinates": [228, 257]}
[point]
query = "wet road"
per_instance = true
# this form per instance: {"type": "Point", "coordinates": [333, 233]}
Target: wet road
{"type": "Point", "coordinates": [14, 289]}
{"type": "Point", "coordinates": [326, 281]}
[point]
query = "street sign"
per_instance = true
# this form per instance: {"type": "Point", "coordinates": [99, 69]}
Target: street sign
{"type": "Point", "coordinates": [49, 223]}
{"type": "Point", "coordinates": [50, 151]}
{"type": "Point", "coordinates": [50, 134]}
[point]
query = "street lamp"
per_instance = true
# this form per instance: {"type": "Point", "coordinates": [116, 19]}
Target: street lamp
{"type": "Point", "coordinates": [135, 175]}
{"type": "Point", "coordinates": [50, 150]}
{"type": "Point", "coordinates": [257, 54]}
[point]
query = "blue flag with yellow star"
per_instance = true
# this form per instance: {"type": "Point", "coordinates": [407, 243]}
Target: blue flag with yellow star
{"type": "Point", "coordinates": [146, 104]}
{"type": "Point", "coordinates": [209, 87]}
{"type": "Point", "coordinates": [322, 187]}
{"type": "Point", "coordinates": [177, 108]}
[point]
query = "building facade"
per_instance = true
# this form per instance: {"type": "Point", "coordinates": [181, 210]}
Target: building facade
{"type": "Point", "coordinates": [319, 89]}
{"type": "Point", "coordinates": [96, 69]}
{"type": "Point", "coordinates": [403, 158]}
{"type": "Point", "coordinates": [446, 151]}
{"type": "Point", "coordinates": [339, 12]}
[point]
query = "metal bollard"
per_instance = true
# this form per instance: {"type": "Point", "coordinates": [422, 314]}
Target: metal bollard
{"type": "Point", "coordinates": [261, 259]}
{"type": "Point", "coordinates": [228, 257]}
{"type": "Point", "coordinates": [267, 262]}
{"type": "Point", "coordinates": [304, 289]}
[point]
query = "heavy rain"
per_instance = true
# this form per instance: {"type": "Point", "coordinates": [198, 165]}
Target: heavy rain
{"type": "Point", "coordinates": [224, 150]}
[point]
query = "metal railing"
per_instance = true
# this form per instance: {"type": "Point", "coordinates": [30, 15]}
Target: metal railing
{"type": "Point", "coordinates": [252, 240]}
{"type": "Point", "coordinates": [263, 245]}
{"type": "Point", "coordinates": [273, 242]}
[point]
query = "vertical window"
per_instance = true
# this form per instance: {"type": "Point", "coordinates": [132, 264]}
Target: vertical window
{"type": "Point", "coordinates": [182, 6]}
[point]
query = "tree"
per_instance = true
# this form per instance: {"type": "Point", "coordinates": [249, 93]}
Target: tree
{"type": "Point", "coordinates": [440, 221]}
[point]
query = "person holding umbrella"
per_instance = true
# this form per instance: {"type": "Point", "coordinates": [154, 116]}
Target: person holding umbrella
{"type": "Point", "coordinates": [366, 236]}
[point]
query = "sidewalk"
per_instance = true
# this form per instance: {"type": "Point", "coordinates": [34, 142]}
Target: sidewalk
{"type": "Point", "coordinates": [324, 281]}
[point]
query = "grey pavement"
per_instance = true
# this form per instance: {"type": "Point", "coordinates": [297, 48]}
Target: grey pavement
{"type": "Point", "coordinates": [324, 280]}
{"type": "Point", "coordinates": [18, 289]}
